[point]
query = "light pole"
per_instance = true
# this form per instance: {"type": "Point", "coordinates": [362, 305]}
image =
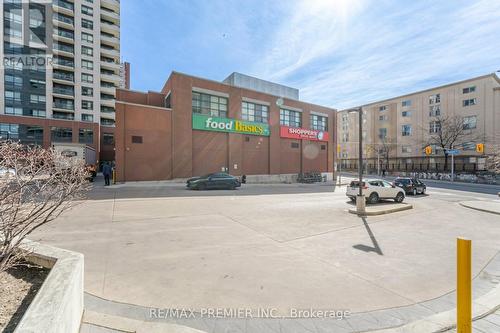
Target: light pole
{"type": "Point", "coordinates": [360, 198]}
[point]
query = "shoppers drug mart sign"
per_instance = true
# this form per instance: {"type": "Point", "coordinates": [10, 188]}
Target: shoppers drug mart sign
{"type": "Point", "coordinates": [303, 134]}
{"type": "Point", "coordinates": [209, 123]}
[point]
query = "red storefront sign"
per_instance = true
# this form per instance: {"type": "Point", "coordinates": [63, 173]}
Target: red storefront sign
{"type": "Point", "coordinates": [303, 134]}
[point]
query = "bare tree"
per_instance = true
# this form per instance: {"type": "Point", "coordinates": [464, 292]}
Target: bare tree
{"type": "Point", "coordinates": [383, 149]}
{"type": "Point", "coordinates": [494, 160]}
{"type": "Point", "coordinates": [448, 132]}
{"type": "Point", "coordinates": [36, 186]}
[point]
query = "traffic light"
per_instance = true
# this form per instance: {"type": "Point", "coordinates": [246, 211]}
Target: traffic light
{"type": "Point", "coordinates": [480, 147]}
{"type": "Point", "coordinates": [428, 150]}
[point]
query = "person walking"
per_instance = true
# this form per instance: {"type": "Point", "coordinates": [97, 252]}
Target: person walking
{"type": "Point", "coordinates": [106, 172]}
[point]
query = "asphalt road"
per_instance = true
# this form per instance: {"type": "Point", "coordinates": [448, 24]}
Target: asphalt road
{"type": "Point", "coordinates": [457, 186]}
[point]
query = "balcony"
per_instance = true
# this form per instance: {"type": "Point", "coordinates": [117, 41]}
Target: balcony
{"type": "Point", "coordinates": [63, 104]}
{"type": "Point", "coordinates": [114, 78]}
{"type": "Point", "coordinates": [62, 76]}
{"type": "Point", "coordinates": [63, 21]}
{"type": "Point", "coordinates": [108, 122]}
{"type": "Point", "coordinates": [111, 4]}
{"type": "Point", "coordinates": [63, 63]}
{"type": "Point", "coordinates": [110, 40]}
{"type": "Point", "coordinates": [108, 103]}
{"type": "Point", "coordinates": [65, 92]}
{"type": "Point", "coordinates": [64, 36]}
{"type": "Point", "coordinates": [110, 52]}
{"type": "Point", "coordinates": [109, 14]}
{"type": "Point", "coordinates": [64, 50]}
{"type": "Point", "coordinates": [108, 89]}
{"type": "Point", "coordinates": [63, 115]}
{"type": "Point", "coordinates": [110, 27]}
{"type": "Point", "coordinates": [109, 64]}
{"type": "Point", "coordinates": [64, 7]}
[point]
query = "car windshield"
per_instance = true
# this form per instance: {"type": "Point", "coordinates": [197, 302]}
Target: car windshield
{"type": "Point", "coordinates": [403, 181]}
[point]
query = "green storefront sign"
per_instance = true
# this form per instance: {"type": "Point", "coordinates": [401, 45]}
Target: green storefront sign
{"type": "Point", "coordinates": [209, 123]}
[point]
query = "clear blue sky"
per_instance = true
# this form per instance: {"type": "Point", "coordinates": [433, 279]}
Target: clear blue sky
{"type": "Point", "coordinates": [339, 53]}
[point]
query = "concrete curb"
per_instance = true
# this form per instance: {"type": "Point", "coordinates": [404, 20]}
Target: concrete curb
{"type": "Point", "coordinates": [58, 305]}
{"type": "Point", "coordinates": [373, 211]}
{"type": "Point", "coordinates": [485, 210]}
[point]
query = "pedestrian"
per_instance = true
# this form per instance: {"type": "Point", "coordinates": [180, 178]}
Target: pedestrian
{"type": "Point", "coordinates": [106, 172]}
{"type": "Point", "coordinates": [383, 172]}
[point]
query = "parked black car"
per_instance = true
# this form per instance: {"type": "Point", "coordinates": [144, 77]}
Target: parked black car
{"type": "Point", "coordinates": [411, 185]}
{"type": "Point", "coordinates": [213, 181]}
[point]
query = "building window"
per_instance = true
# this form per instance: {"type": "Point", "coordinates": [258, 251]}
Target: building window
{"type": "Point", "coordinates": [434, 127]}
{"type": "Point", "coordinates": [382, 133]}
{"type": "Point", "coordinates": [290, 118]}
{"type": "Point", "coordinates": [87, 91]}
{"type": "Point", "coordinates": [87, 117]}
{"type": "Point", "coordinates": [12, 96]}
{"type": "Point", "coordinates": [87, 51]}
{"type": "Point", "coordinates": [87, 37]}
{"type": "Point", "coordinates": [406, 130]}
{"type": "Point", "coordinates": [136, 139]}
{"type": "Point", "coordinates": [406, 113]}
{"type": "Point", "coordinates": [14, 110]}
{"type": "Point", "coordinates": [382, 108]}
{"type": "Point", "coordinates": [26, 134]}
{"type": "Point", "coordinates": [108, 139]}
{"type": "Point", "coordinates": [433, 99]}
{"type": "Point", "coordinates": [61, 134]}
{"type": "Point", "coordinates": [469, 122]}
{"type": "Point", "coordinates": [295, 145]}
{"type": "Point", "coordinates": [87, 105]}
{"type": "Point", "coordinates": [87, 64]}
{"type": "Point", "coordinates": [37, 84]}
{"type": "Point", "coordinates": [434, 110]}
{"type": "Point", "coordinates": [469, 90]}
{"type": "Point", "coordinates": [88, 24]}
{"type": "Point", "coordinates": [89, 78]}
{"type": "Point", "coordinates": [85, 135]}
{"type": "Point", "coordinates": [87, 10]}
{"type": "Point", "coordinates": [382, 117]}
{"type": "Point", "coordinates": [406, 103]}
{"type": "Point", "coordinates": [406, 149]}
{"type": "Point", "coordinates": [319, 123]}
{"type": "Point", "coordinates": [469, 102]}
{"type": "Point", "coordinates": [13, 80]}
{"type": "Point", "coordinates": [254, 112]}
{"type": "Point", "coordinates": [210, 105]}
{"type": "Point", "coordinates": [345, 137]}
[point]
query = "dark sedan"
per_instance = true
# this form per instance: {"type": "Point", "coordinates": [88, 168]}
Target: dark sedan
{"type": "Point", "coordinates": [213, 181]}
{"type": "Point", "coordinates": [411, 185]}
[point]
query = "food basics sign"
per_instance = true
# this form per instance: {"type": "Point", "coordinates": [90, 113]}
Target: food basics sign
{"type": "Point", "coordinates": [209, 123]}
{"type": "Point", "coordinates": [303, 134]}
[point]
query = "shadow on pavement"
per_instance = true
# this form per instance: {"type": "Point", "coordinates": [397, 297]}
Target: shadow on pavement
{"type": "Point", "coordinates": [375, 247]}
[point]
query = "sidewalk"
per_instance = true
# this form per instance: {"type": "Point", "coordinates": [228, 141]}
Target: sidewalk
{"type": "Point", "coordinates": [492, 207]}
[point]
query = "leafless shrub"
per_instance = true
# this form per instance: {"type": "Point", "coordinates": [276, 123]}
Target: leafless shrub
{"type": "Point", "coordinates": [36, 186]}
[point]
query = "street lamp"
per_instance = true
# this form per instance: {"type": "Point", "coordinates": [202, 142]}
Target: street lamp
{"type": "Point", "coordinates": [360, 198]}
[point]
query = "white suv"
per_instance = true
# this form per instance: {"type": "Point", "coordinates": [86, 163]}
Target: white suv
{"type": "Point", "coordinates": [374, 190]}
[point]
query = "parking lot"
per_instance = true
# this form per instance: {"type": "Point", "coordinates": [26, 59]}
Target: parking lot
{"type": "Point", "coordinates": [281, 246]}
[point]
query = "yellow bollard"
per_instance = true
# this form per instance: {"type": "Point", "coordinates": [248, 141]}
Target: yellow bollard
{"type": "Point", "coordinates": [464, 286]}
{"type": "Point", "coordinates": [114, 176]}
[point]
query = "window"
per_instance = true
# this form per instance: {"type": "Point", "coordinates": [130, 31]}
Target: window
{"type": "Point", "coordinates": [13, 80]}
{"type": "Point", "coordinates": [36, 83]}
{"type": "Point", "coordinates": [469, 90]}
{"type": "Point", "coordinates": [136, 139]}
{"type": "Point", "coordinates": [85, 135]}
{"type": "Point", "coordinates": [12, 96]}
{"type": "Point", "coordinates": [87, 10]}
{"type": "Point", "coordinates": [254, 112]}
{"type": "Point", "coordinates": [295, 145]}
{"type": "Point", "coordinates": [406, 149]}
{"type": "Point", "coordinates": [406, 113]}
{"type": "Point", "coordinates": [87, 105]}
{"type": "Point", "coordinates": [87, 37]}
{"type": "Point", "coordinates": [108, 139]}
{"type": "Point", "coordinates": [469, 102]}
{"type": "Point", "coordinates": [26, 134]}
{"type": "Point", "coordinates": [87, 51]}
{"type": "Point", "coordinates": [345, 137]}
{"type": "Point", "coordinates": [87, 91]}
{"type": "Point", "coordinates": [210, 105]}
{"type": "Point", "coordinates": [290, 118]}
{"type": "Point", "coordinates": [89, 78]}
{"type": "Point", "coordinates": [14, 110]}
{"type": "Point", "coordinates": [434, 110]}
{"type": "Point", "coordinates": [434, 127]}
{"type": "Point", "coordinates": [87, 64]}
{"type": "Point", "coordinates": [323, 147]}
{"type": "Point", "coordinates": [469, 122]}
{"type": "Point", "coordinates": [88, 24]}
{"type": "Point", "coordinates": [406, 103]}
{"type": "Point", "coordinates": [382, 108]}
{"type": "Point", "coordinates": [37, 98]}
{"type": "Point", "coordinates": [406, 130]}
{"type": "Point", "coordinates": [87, 117]}
{"type": "Point", "coordinates": [319, 123]}
{"type": "Point", "coordinates": [382, 133]}
{"type": "Point", "coordinates": [61, 134]}
{"type": "Point", "coordinates": [469, 146]}
{"type": "Point", "coordinates": [433, 99]}
{"type": "Point", "coordinates": [382, 118]}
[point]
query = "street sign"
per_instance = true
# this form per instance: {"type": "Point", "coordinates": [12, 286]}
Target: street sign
{"type": "Point", "coordinates": [480, 147]}
{"type": "Point", "coordinates": [452, 151]}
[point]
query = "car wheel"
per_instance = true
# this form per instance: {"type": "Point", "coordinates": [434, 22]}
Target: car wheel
{"type": "Point", "coordinates": [423, 191]}
{"type": "Point", "coordinates": [202, 187]}
{"type": "Point", "coordinates": [414, 191]}
{"type": "Point", "coordinates": [399, 197]}
{"type": "Point", "coordinates": [373, 198]}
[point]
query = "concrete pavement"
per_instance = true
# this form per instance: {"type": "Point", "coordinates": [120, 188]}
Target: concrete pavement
{"type": "Point", "coordinates": [492, 207]}
{"type": "Point", "coordinates": [293, 247]}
